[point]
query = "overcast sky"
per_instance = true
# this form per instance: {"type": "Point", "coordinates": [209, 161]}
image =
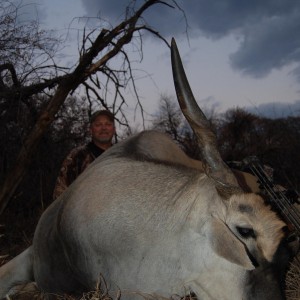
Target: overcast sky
{"type": "Point", "coordinates": [239, 52]}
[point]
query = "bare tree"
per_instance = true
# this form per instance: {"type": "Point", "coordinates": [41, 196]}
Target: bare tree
{"type": "Point", "coordinates": [96, 52]}
{"type": "Point", "coordinates": [169, 118]}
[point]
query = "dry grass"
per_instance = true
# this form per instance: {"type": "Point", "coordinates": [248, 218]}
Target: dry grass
{"type": "Point", "coordinates": [293, 280]}
{"type": "Point", "coordinates": [31, 292]}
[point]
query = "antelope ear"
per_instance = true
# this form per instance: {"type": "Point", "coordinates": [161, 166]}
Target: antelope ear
{"type": "Point", "coordinates": [227, 245]}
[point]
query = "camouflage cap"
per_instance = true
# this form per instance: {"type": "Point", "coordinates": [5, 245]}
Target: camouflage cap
{"type": "Point", "coordinates": [98, 113]}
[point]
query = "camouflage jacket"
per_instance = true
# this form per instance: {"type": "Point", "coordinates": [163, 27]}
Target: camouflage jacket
{"type": "Point", "coordinates": [73, 165]}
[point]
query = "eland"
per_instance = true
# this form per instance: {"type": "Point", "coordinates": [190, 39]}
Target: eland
{"type": "Point", "coordinates": [155, 223]}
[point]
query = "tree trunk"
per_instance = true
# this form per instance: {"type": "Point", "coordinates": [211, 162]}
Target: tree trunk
{"type": "Point", "coordinates": [16, 174]}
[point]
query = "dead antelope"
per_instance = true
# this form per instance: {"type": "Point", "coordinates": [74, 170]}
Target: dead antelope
{"type": "Point", "coordinates": [152, 223]}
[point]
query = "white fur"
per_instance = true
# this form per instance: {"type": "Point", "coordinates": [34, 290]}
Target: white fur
{"type": "Point", "coordinates": [149, 225]}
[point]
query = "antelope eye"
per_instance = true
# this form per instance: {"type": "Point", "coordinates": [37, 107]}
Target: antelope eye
{"type": "Point", "coordinates": [245, 232]}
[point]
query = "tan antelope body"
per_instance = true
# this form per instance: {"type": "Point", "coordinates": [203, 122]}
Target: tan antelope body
{"type": "Point", "coordinates": [148, 220]}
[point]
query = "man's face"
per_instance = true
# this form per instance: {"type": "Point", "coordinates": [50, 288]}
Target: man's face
{"type": "Point", "coordinates": [102, 130]}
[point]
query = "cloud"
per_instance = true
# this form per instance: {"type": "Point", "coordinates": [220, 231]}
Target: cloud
{"type": "Point", "coordinates": [114, 11]}
{"type": "Point", "coordinates": [267, 31]}
{"type": "Point", "coordinates": [296, 73]}
{"type": "Point", "coordinates": [105, 9]}
{"type": "Point", "coordinates": [276, 110]}
{"type": "Point", "coordinates": [270, 44]}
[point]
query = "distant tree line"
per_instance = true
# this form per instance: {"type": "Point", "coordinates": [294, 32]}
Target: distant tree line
{"type": "Point", "coordinates": [275, 142]}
